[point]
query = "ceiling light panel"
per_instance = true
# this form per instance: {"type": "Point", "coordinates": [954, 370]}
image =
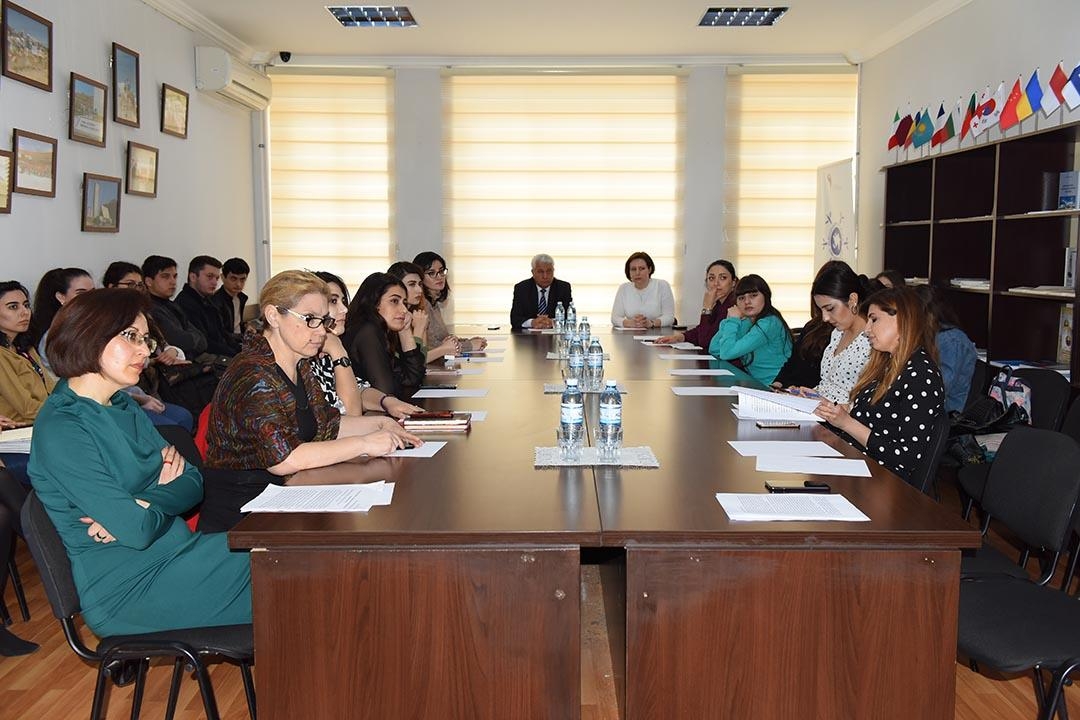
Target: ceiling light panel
{"type": "Point", "coordinates": [364, 16]}
{"type": "Point", "coordinates": [742, 16]}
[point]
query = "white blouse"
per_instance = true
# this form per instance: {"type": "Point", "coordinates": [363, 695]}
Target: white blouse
{"type": "Point", "coordinates": [839, 373]}
{"type": "Point", "coordinates": [655, 301]}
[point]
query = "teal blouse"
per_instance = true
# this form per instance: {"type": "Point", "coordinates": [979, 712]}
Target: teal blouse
{"type": "Point", "coordinates": [763, 346]}
{"type": "Point", "coordinates": [93, 460]}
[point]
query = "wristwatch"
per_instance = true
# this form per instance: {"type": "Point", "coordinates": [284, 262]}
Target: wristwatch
{"type": "Point", "coordinates": [342, 361]}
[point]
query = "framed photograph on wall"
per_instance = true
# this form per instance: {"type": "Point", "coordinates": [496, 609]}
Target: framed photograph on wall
{"type": "Point", "coordinates": [7, 169]}
{"type": "Point", "coordinates": [87, 110]}
{"type": "Point", "coordinates": [35, 164]}
{"type": "Point", "coordinates": [174, 111]}
{"type": "Point", "coordinates": [142, 170]}
{"type": "Point", "coordinates": [27, 46]}
{"type": "Point", "coordinates": [101, 203]}
{"type": "Point", "coordinates": [125, 77]}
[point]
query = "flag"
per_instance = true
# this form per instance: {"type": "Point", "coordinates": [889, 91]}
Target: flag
{"type": "Point", "coordinates": [893, 141]}
{"type": "Point", "coordinates": [1009, 114]}
{"type": "Point", "coordinates": [988, 113]}
{"type": "Point", "coordinates": [903, 131]}
{"type": "Point", "coordinates": [909, 134]}
{"type": "Point", "coordinates": [944, 128]}
{"type": "Point", "coordinates": [1033, 93]}
{"type": "Point", "coordinates": [1071, 92]}
{"type": "Point", "coordinates": [969, 115]}
{"type": "Point", "coordinates": [924, 129]}
{"type": "Point", "coordinates": [1053, 98]}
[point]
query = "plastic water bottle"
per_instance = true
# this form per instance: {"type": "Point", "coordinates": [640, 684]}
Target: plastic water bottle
{"type": "Point", "coordinates": [609, 439]}
{"type": "Point", "coordinates": [594, 365]}
{"type": "Point", "coordinates": [559, 319]}
{"type": "Point", "coordinates": [571, 316]}
{"type": "Point", "coordinates": [576, 357]}
{"type": "Point", "coordinates": [583, 329]}
{"type": "Point", "coordinates": [567, 339]}
{"type": "Point", "coordinates": [571, 421]}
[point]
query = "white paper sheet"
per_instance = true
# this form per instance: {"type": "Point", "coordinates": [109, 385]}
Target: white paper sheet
{"type": "Point", "coordinates": [542, 331]}
{"type": "Point", "coordinates": [697, 390]}
{"type": "Point", "coordinates": [440, 393]}
{"type": "Point", "coordinates": [16, 441]}
{"type": "Point", "coordinates": [648, 338]}
{"type": "Point", "coordinates": [684, 356]}
{"type": "Point", "coordinates": [477, 415]}
{"type": "Point", "coordinates": [482, 359]}
{"type": "Point", "coordinates": [764, 405]}
{"type": "Point", "coordinates": [322, 498]}
{"type": "Point", "coordinates": [428, 449]}
{"type": "Point", "coordinates": [684, 346]}
{"type": "Point", "coordinates": [789, 506]}
{"type": "Point", "coordinates": [455, 373]}
{"type": "Point", "coordinates": [717, 372]}
{"type": "Point", "coordinates": [813, 465]}
{"type": "Point", "coordinates": [783, 448]}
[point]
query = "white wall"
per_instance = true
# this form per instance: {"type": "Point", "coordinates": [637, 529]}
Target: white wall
{"type": "Point", "coordinates": [984, 43]}
{"type": "Point", "coordinates": [204, 202]}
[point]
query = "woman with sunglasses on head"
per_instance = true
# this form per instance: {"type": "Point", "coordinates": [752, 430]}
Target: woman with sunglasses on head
{"type": "Point", "coordinates": [754, 332]}
{"type": "Point", "coordinates": [343, 388]}
{"type": "Point", "coordinates": [720, 281]}
{"type": "Point", "coordinates": [436, 292]}
{"type": "Point", "coordinates": [115, 490]}
{"type": "Point", "coordinates": [379, 338]}
{"type": "Point", "coordinates": [269, 418]}
{"type": "Point", "coordinates": [899, 395]}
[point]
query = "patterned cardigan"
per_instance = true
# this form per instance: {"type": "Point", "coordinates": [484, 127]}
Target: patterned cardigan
{"type": "Point", "coordinates": [253, 416]}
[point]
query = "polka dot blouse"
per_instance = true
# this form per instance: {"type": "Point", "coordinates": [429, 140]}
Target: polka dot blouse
{"type": "Point", "coordinates": [902, 423]}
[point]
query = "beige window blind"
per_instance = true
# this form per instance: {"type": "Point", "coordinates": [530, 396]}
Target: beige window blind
{"type": "Point", "coordinates": [329, 174]}
{"type": "Point", "coordinates": [780, 129]}
{"type": "Point", "coordinates": [585, 168]}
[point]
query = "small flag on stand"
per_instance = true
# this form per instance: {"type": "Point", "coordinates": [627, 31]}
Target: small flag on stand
{"type": "Point", "coordinates": [943, 127]}
{"type": "Point", "coordinates": [1033, 94]}
{"type": "Point", "coordinates": [909, 134]}
{"type": "Point", "coordinates": [893, 141]}
{"type": "Point", "coordinates": [1053, 99]}
{"type": "Point", "coordinates": [969, 116]}
{"type": "Point", "coordinates": [988, 113]}
{"type": "Point", "coordinates": [1009, 114]}
{"type": "Point", "coordinates": [1071, 92]}
{"type": "Point", "coordinates": [924, 129]}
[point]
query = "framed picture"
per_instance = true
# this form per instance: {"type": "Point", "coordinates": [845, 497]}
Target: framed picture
{"type": "Point", "coordinates": [27, 46]}
{"type": "Point", "coordinates": [125, 83]}
{"type": "Point", "coordinates": [101, 203]}
{"type": "Point", "coordinates": [6, 170]}
{"type": "Point", "coordinates": [35, 164]}
{"type": "Point", "coordinates": [174, 111]}
{"type": "Point", "coordinates": [86, 113]}
{"type": "Point", "coordinates": [142, 170]}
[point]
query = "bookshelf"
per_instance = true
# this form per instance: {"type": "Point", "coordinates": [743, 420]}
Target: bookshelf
{"type": "Point", "coordinates": [990, 211]}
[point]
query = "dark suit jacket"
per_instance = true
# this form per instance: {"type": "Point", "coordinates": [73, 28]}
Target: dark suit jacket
{"type": "Point", "coordinates": [526, 296]}
{"type": "Point", "coordinates": [204, 315]}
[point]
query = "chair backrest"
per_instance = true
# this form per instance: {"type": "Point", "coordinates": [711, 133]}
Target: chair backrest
{"type": "Point", "coordinates": [12, 496]}
{"type": "Point", "coordinates": [980, 380]}
{"type": "Point", "coordinates": [1049, 396]}
{"type": "Point", "coordinates": [922, 478]}
{"type": "Point", "coordinates": [1071, 425]}
{"type": "Point", "coordinates": [181, 439]}
{"type": "Point", "coordinates": [202, 429]}
{"type": "Point", "coordinates": [51, 558]}
{"type": "Point", "coordinates": [1034, 486]}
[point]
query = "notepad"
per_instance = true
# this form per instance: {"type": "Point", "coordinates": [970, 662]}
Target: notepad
{"type": "Point", "coordinates": [321, 498]}
{"type": "Point", "coordinates": [789, 506]}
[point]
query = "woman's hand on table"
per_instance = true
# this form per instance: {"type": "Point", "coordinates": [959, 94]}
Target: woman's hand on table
{"type": "Point", "coordinates": [670, 339]}
{"type": "Point", "coordinates": [399, 408]}
{"type": "Point", "coordinates": [835, 414]}
{"type": "Point", "coordinates": [391, 426]}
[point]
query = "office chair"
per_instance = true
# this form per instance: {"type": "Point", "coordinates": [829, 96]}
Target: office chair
{"type": "Point", "coordinates": [12, 495]}
{"type": "Point", "coordinates": [1049, 396]}
{"type": "Point", "coordinates": [924, 476]}
{"type": "Point", "coordinates": [116, 655]}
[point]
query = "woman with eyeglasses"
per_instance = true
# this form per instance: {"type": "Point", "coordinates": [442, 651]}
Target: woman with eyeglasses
{"type": "Point", "coordinates": [269, 418]}
{"type": "Point", "coordinates": [379, 337]}
{"type": "Point", "coordinates": [350, 393]}
{"type": "Point", "coordinates": [437, 292]}
{"type": "Point", "coordinates": [115, 490]}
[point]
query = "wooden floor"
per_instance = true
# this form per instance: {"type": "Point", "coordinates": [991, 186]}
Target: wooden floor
{"type": "Point", "coordinates": [53, 684]}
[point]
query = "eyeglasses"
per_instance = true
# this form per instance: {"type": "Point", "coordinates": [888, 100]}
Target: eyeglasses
{"type": "Point", "coordinates": [312, 321]}
{"type": "Point", "coordinates": [132, 284]}
{"type": "Point", "coordinates": [437, 273]}
{"type": "Point", "coordinates": [133, 337]}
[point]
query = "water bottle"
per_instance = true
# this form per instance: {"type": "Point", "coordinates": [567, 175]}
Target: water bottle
{"type": "Point", "coordinates": [609, 438]}
{"type": "Point", "coordinates": [571, 316]}
{"type": "Point", "coordinates": [571, 421]}
{"type": "Point", "coordinates": [583, 329]}
{"type": "Point", "coordinates": [575, 356]}
{"type": "Point", "coordinates": [567, 338]}
{"type": "Point", "coordinates": [560, 315]}
{"type": "Point", "coordinates": [594, 365]}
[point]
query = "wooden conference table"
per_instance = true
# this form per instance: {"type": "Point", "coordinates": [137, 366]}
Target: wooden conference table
{"type": "Point", "coordinates": [461, 598]}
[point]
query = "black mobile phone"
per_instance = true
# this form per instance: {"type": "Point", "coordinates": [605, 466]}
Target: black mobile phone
{"type": "Point", "coordinates": [809, 486]}
{"type": "Point", "coordinates": [442, 386]}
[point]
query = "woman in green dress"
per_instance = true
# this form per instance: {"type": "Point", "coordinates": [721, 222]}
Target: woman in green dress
{"type": "Point", "coordinates": [115, 489]}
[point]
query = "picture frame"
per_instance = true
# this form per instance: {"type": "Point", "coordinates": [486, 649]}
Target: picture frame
{"type": "Point", "coordinates": [174, 111]}
{"type": "Point", "coordinates": [7, 170]}
{"type": "Point", "coordinates": [125, 87]}
{"type": "Point", "coordinates": [100, 203]}
{"type": "Point", "coordinates": [27, 46]}
{"type": "Point", "coordinates": [35, 164]}
{"type": "Point", "coordinates": [87, 109]}
{"type": "Point", "coordinates": [142, 164]}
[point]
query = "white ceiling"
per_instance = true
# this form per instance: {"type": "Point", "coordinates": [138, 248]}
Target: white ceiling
{"type": "Point", "coordinates": [830, 29]}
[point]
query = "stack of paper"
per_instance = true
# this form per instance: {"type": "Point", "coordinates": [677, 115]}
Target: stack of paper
{"type": "Point", "coordinates": [458, 422]}
{"type": "Point", "coordinates": [789, 506]}
{"type": "Point", "coordinates": [764, 405]}
{"type": "Point", "coordinates": [322, 498]}
{"type": "Point", "coordinates": [16, 441]}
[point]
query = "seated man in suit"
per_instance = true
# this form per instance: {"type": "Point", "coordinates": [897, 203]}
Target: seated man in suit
{"type": "Point", "coordinates": [159, 274]}
{"type": "Point", "coordinates": [230, 299]}
{"type": "Point", "coordinates": [195, 300]}
{"type": "Point", "coordinates": [535, 298]}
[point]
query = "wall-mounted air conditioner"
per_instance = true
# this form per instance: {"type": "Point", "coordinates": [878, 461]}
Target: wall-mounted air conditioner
{"type": "Point", "coordinates": [216, 71]}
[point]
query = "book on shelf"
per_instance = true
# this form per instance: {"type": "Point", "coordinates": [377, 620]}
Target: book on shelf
{"type": "Point", "coordinates": [971, 283]}
{"type": "Point", "coordinates": [1059, 291]}
{"type": "Point", "coordinates": [1070, 267]}
{"type": "Point", "coordinates": [1067, 199]}
{"type": "Point", "coordinates": [438, 422]}
{"type": "Point", "coordinates": [917, 281]}
{"type": "Point", "coordinates": [1065, 335]}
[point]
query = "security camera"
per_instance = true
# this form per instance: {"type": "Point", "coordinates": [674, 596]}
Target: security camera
{"type": "Point", "coordinates": [285, 56]}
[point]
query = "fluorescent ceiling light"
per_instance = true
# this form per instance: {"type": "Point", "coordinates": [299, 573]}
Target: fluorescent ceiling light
{"type": "Point", "coordinates": [351, 16]}
{"type": "Point", "coordinates": [741, 16]}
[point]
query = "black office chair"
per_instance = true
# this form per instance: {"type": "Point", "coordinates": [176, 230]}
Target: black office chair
{"type": "Point", "coordinates": [924, 476]}
{"type": "Point", "coordinates": [12, 495]}
{"type": "Point", "coordinates": [1071, 424]}
{"type": "Point", "coordinates": [1013, 623]}
{"type": "Point", "coordinates": [117, 655]}
{"type": "Point", "coordinates": [1049, 396]}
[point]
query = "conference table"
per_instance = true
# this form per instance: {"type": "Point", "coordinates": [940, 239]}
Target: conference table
{"type": "Point", "coordinates": [461, 599]}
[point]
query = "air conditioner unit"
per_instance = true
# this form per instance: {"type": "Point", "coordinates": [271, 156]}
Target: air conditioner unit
{"type": "Point", "coordinates": [216, 71]}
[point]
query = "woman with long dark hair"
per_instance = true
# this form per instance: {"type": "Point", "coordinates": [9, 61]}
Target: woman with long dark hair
{"type": "Point", "coordinates": [900, 394]}
{"type": "Point", "coordinates": [754, 332]}
{"type": "Point", "coordinates": [720, 279]}
{"type": "Point", "coordinates": [379, 338]}
{"type": "Point", "coordinates": [54, 290]}
{"type": "Point", "coordinates": [437, 293]}
{"type": "Point", "coordinates": [25, 382]}
{"type": "Point", "coordinates": [956, 352]}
